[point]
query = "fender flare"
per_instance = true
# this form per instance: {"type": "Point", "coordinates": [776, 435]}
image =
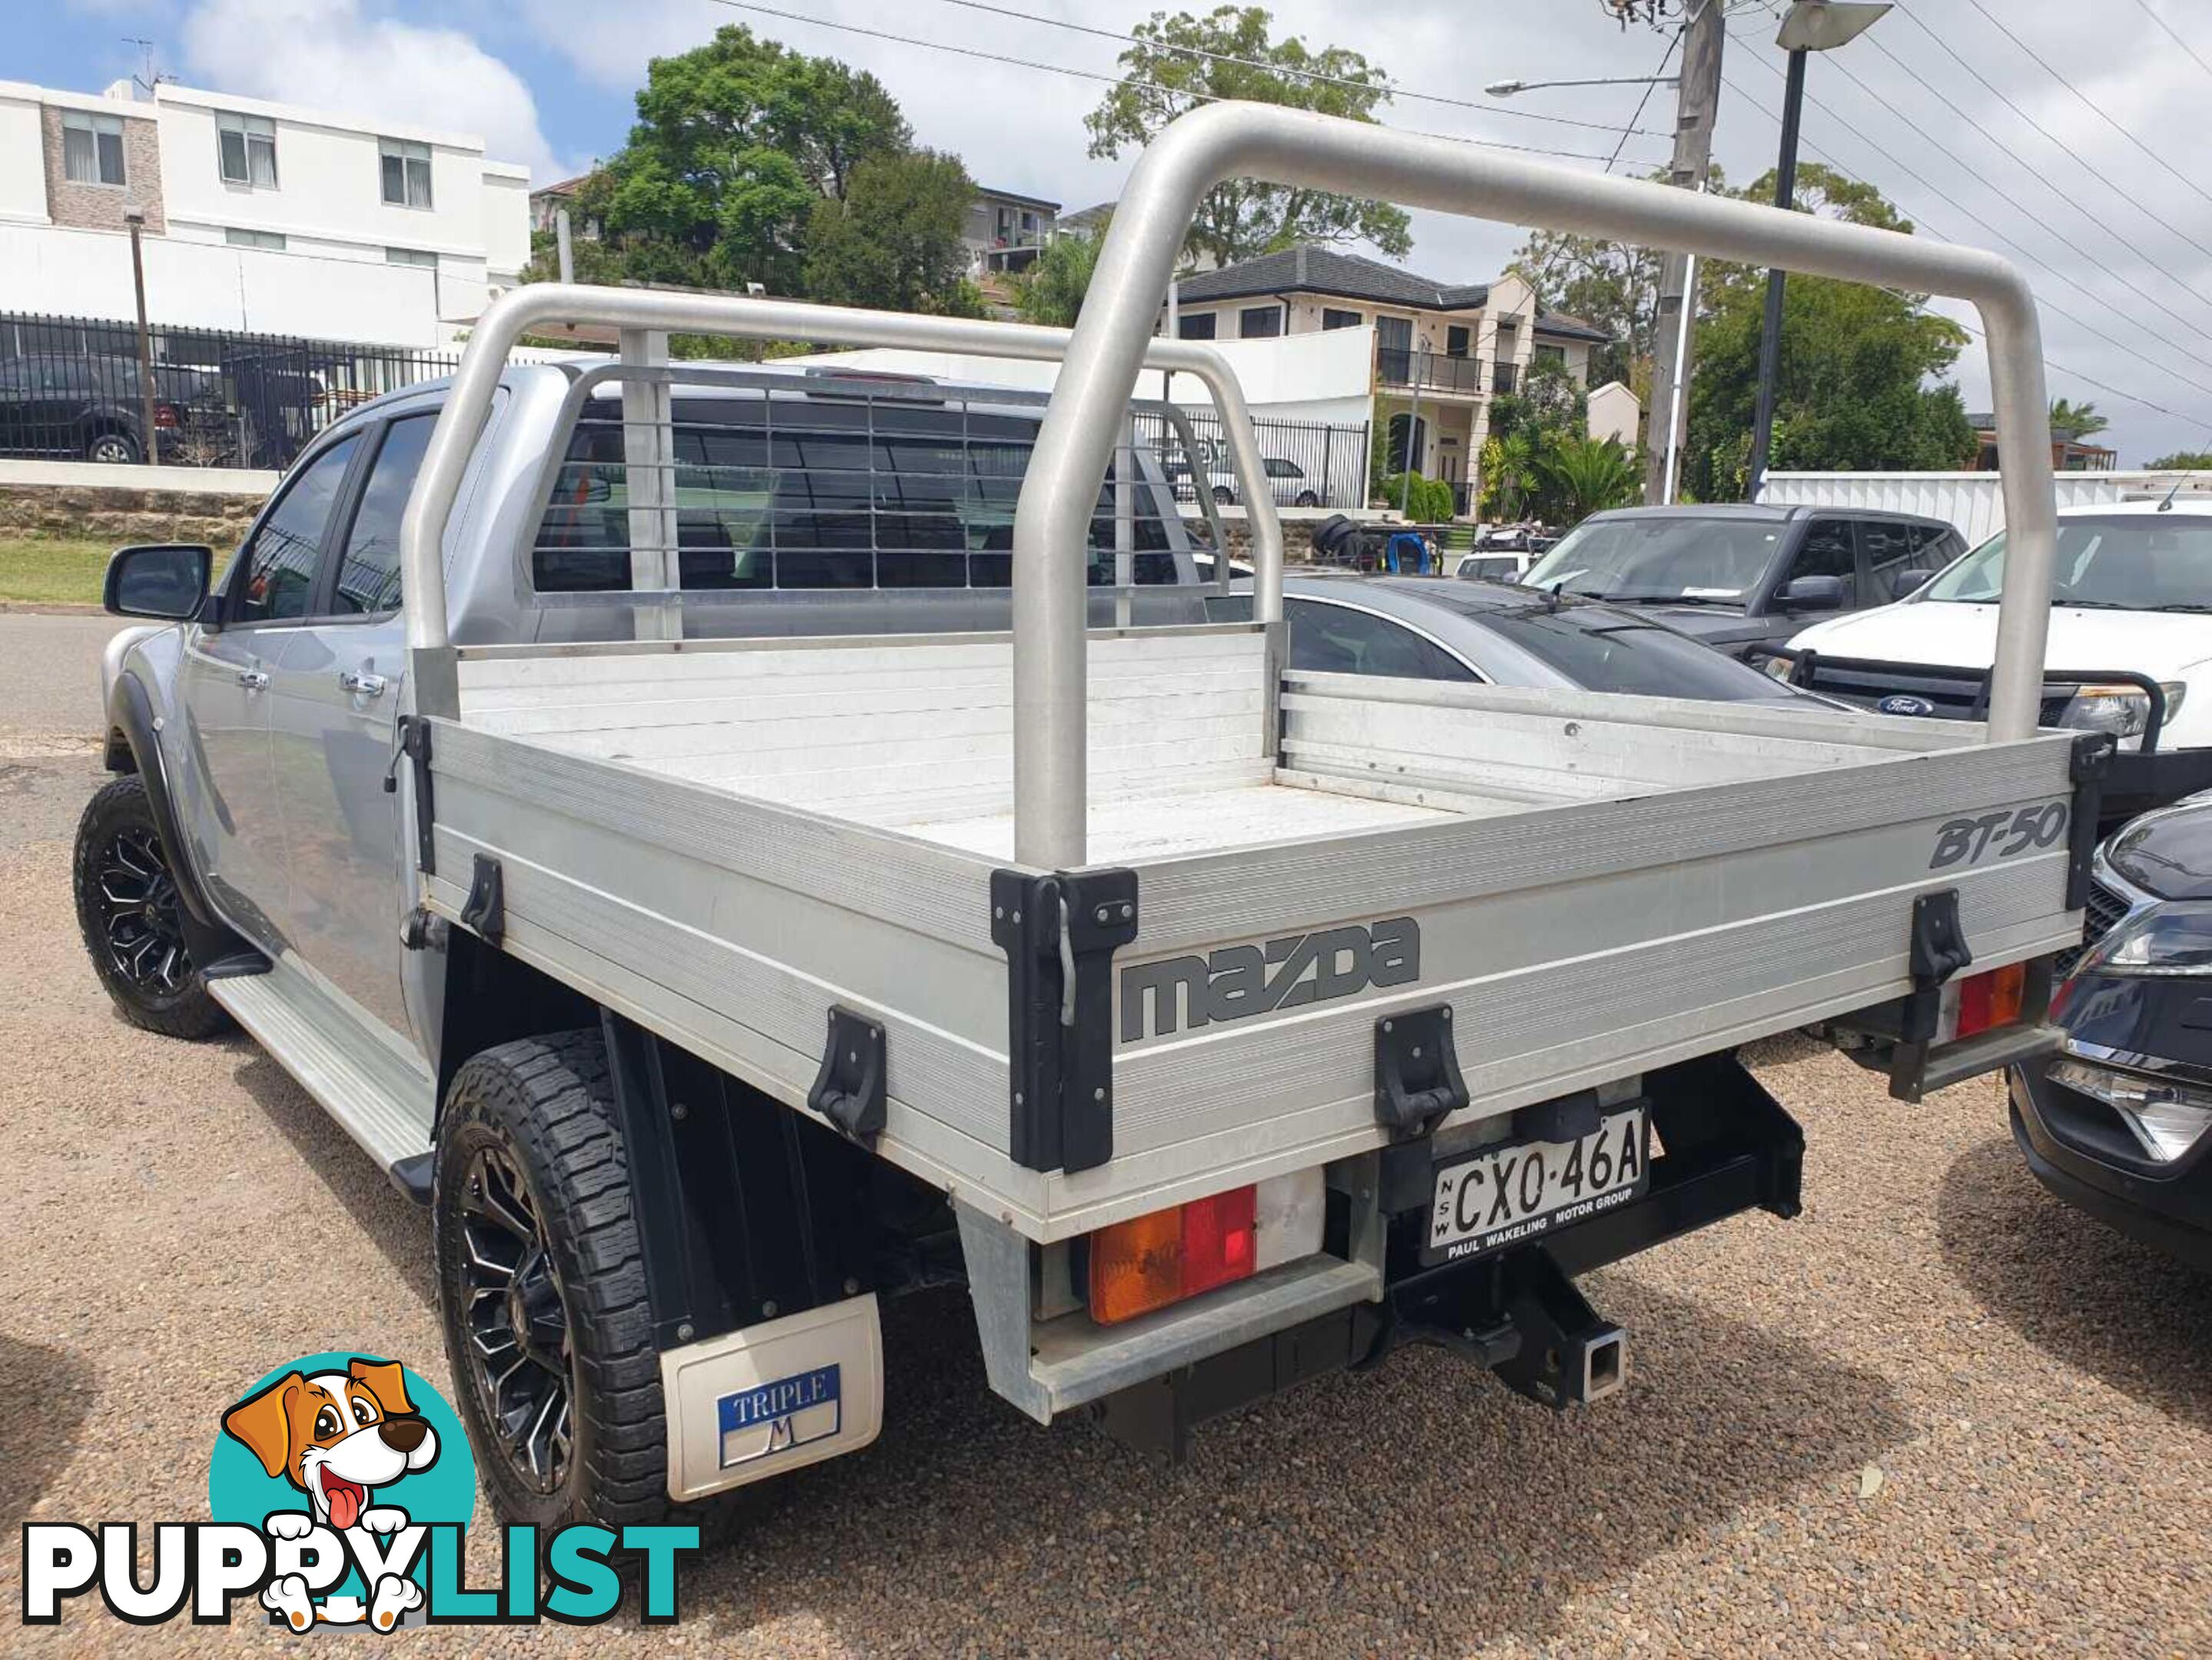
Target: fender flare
{"type": "Point", "coordinates": [212, 943]}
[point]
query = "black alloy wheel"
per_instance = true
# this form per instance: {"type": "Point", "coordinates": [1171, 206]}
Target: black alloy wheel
{"type": "Point", "coordinates": [519, 1360]}
{"type": "Point", "coordinates": [131, 911]}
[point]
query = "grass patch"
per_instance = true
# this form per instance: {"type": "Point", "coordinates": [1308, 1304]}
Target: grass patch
{"type": "Point", "coordinates": [48, 572]}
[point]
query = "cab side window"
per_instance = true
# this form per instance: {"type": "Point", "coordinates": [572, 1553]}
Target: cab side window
{"type": "Point", "coordinates": [369, 569]}
{"type": "Point", "coordinates": [1889, 545]}
{"type": "Point", "coordinates": [1826, 551]}
{"type": "Point", "coordinates": [1328, 639]}
{"type": "Point", "coordinates": [278, 583]}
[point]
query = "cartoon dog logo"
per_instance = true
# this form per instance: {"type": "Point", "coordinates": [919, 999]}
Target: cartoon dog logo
{"type": "Point", "coordinates": [337, 1437]}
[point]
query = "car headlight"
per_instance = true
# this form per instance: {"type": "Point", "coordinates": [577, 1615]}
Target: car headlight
{"type": "Point", "coordinates": [2120, 710]}
{"type": "Point", "coordinates": [2174, 938]}
{"type": "Point", "coordinates": [2167, 1118]}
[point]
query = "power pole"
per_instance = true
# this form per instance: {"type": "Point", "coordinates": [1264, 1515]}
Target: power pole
{"type": "Point", "coordinates": [1697, 102]}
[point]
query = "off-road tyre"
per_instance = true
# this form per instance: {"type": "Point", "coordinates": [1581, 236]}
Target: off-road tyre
{"type": "Point", "coordinates": [127, 910]}
{"type": "Point", "coordinates": [543, 1108]}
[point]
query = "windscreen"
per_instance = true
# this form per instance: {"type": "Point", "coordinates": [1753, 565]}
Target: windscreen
{"type": "Point", "coordinates": [1717, 559]}
{"type": "Point", "coordinates": [819, 493]}
{"type": "Point", "coordinates": [1602, 650]}
{"type": "Point", "coordinates": [2120, 562]}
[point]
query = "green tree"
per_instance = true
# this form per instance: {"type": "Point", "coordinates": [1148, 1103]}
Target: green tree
{"type": "Point", "coordinates": [1614, 286]}
{"type": "Point", "coordinates": [735, 142]}
{"type": "Point", "coordinates": [1509, 474]}
{"type": "Point", "coordinates": [1858, 384]}
{"type": "Point", "coordinates": [1051, 291]}
{"type": "Point", "coordinates": [1548, 403]}
{"type": "Point", "coordinates": [1587, 475]}
{"type": "Point", "coordinates": [2069, 420]}
{"type": "Point", "coordinates": [1183, 61]}
{"type": "Point", "coordinates": [893, 241]}
{"type": "Point", "coordinates": [2183, 461]}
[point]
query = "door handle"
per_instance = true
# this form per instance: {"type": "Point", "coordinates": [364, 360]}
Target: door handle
{"type": "Point", "coordinates": [361, 685]}
{"type": "Point", "coordinates": [253, 679]}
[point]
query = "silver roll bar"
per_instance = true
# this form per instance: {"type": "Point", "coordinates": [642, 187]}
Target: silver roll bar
{"type": "Point", "coordinates": [1292, 147]}
{"type": "Point", "coordinates": [423, 527]}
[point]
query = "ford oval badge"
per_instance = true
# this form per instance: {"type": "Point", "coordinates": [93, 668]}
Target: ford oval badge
{"type": "Point", "coordinates": [1903, 704]}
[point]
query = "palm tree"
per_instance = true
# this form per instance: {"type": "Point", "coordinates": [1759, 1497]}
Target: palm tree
{"type": "Point", "coordinates": [1591, 474]}
{"type": "Point", "coordinates": [2069, 420]}
{"type": "Point", "coordinates": [1509, 471]}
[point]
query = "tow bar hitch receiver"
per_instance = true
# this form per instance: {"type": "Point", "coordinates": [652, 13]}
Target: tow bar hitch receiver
{"type": "Point", "coordinates": [1550, 1346]}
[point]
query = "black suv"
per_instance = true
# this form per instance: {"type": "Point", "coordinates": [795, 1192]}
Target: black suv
{"type": "Point", "coordinates": [1741, 577]}
{"type": "Point", "coordinates": [2116, 1123]}
{"type": "Point", "coordinates": [87, 407]}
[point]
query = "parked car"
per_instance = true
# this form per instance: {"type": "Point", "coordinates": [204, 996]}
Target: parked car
{"type": "Point", "coordinates": [2130, 650]}
{"type": "Point", "coordinates": [1486, 567]}
{"type": "Point", "coordinates": [1745, 577]}
{"type": "Point", "coordinates": [88, 408]}
{"type": "Point", "coordinates": [2116, 1123]}
{"type": "Point", "coordinates": [1525, 536]}
{"type": "Point", "coordinates": [1499, 633]}
{"type": "Point", "coordinates": [1287, 481]}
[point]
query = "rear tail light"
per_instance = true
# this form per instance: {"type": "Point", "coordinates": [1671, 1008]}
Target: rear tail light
{"type": "Point", "coordinates": [1981, 1002]}
{"type": "Point", "coordinates": [165, 415]}
{"type": "Point", "coordinates": [1150, 1262]}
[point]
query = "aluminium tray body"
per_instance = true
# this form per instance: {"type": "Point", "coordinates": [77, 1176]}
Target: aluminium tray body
{"type": "Point", "coordinates": [725, 840]}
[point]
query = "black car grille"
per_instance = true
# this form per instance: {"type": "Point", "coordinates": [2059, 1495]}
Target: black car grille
{"type": "Point", "coordinates": [1950, 694]}
{"type": "Point", "coordinates": [2104, 910]}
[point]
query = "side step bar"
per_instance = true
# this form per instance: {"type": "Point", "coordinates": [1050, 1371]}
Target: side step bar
{"type": "Point", "coordinates": [361, 1079]}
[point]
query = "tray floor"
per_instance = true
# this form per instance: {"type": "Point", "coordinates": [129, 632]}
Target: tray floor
{"type": "Point", "coordinates": [1204, 821]}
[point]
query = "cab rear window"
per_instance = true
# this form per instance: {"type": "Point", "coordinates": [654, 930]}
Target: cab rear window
{"type": "Point", "coordinates": [817, 493]}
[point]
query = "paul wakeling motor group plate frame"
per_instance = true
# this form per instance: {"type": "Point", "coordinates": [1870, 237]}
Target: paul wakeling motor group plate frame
{"type": "Point", "coordinates": [1518, 1191]}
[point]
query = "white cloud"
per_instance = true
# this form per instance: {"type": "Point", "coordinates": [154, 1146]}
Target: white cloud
{"type": "Point", "coordinates": [1021, 129]}
{"type": "Point", "coordinates": [331, 54]}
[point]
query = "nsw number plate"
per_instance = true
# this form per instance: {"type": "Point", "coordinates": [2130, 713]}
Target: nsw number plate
{"type": "Point", "coordinates": [1511, 1194]}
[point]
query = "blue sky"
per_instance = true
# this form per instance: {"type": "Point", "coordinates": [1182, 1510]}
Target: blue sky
{"type": "Point", "coordinates": [2066, 175]}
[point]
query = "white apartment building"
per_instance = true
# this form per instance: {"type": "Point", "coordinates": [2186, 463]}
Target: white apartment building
{"type": "Point", "coordinates": [267, 217]}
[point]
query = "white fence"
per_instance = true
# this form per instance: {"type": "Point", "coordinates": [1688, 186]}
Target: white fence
{"type": "Point", "coordinates": [1974, 502]}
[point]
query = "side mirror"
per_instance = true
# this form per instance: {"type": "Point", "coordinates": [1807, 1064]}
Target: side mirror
{"type": "Point", "coordinates": [167, 580]}
{"type": "Point", "coordinates": [1812, 594]}
{"type": "Point", "coordinates": [1913, 581]}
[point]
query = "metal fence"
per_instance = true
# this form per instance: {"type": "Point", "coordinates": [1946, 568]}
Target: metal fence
{"type": "Point", "coordinates": [1429, 371]}
{"type": "Point", "coordinates": [70, 389]}
{"type": "Point", "coordinates": [1310, 464]}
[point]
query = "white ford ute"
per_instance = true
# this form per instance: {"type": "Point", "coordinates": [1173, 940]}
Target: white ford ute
{"type": "Point", "coordinates": [2130, 651]}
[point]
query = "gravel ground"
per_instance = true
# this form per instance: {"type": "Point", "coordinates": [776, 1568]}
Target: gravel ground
{"type": "Point", "coordinates": [1937, 1414]}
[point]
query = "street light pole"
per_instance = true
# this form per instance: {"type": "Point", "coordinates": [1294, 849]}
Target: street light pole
{"type": "Point", "coordinates": [151, 450]}
{"type": "Point", "coordinates": [1811, 26]}
{"type": "Point", "coordinates": [1770, 333]}
{"type": "Point", "coordinates": [1697, 102]}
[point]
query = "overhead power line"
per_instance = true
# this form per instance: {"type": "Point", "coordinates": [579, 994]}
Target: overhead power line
{"type": "Point", "coordinates": [1313, 76]}
{"type": "Point", "coordinates": [1665, 58]}
{"type": "Point", "coordinates": [2072, 202]}
{"type": "Point", "coordinates": [1095, 75]}
{"type": "Point", "coordinates": [2052, 305]}
{"type": "Point", "coordinates": [2064, 148]}
{"type": "Point", "coordinates": [2091, 104]}
{"type": "Point", "coordinates": [2095, 261]}
{"type": "Point", "coordinates": [1922, 305]}
{"type": "Point", "coordinates": [2176, 39]}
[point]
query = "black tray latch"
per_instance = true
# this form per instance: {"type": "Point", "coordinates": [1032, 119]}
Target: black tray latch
{"type": "Point", "coordinates": [848, 1090]}
{"type": "Point", "coordinates": [415, 747]}
{"type": "Point", "coordinates": [1060, 931]}
{"type": "Point", "coordinates": [484, 911]}
{"type": "Point", "coordinates": [1417, 1081]}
